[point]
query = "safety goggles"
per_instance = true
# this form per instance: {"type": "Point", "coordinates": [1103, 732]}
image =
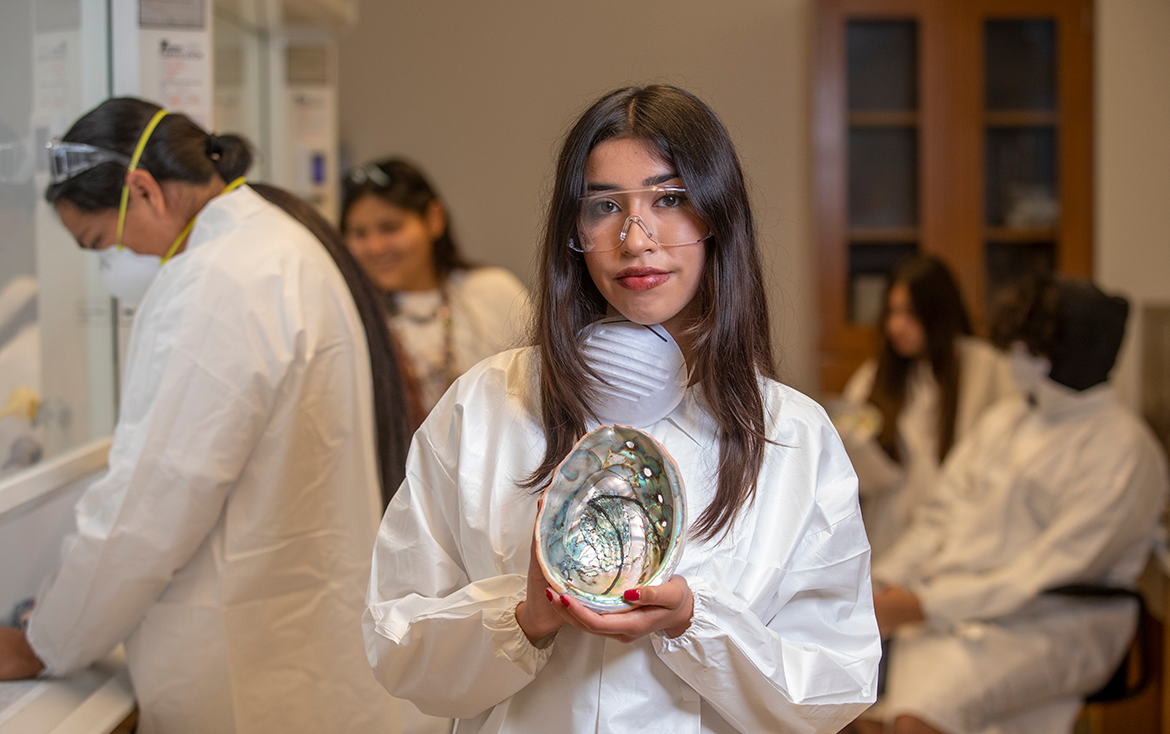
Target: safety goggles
{"type": "Point", "coordinates": [368, 173]}
{"type": "Point", "coordinates": [664, 213]}
{"type": "Point", "coordinates": [67, 160]}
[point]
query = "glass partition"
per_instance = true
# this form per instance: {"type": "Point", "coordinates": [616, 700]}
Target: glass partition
{"type": "Point", "coordinates": [57, 323]}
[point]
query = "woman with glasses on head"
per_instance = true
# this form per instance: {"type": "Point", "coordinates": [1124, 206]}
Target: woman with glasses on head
{"type": "Point", "coordinates": [228, 543]}
{"type": "Point", "coordinates": [446, 314]}
{"type": "Point", "coordinates": [930, 382]}
{"type": "Point", "coordinates": [649, 257]}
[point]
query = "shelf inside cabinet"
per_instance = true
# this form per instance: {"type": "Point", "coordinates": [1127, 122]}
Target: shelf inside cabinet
{"type": "Point", "coordinates": [1022, 118]}
{"type": "Point", "coordinates": [1020, 234]}
{"type": "Point", "coordinates": [883, 118]}
{"type": "Point", "coordinates": [882, 235]}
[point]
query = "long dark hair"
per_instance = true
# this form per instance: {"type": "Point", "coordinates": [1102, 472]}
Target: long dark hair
{"type": "Point", "coordinates": [731, 335]}
{"type": "Point", "coordinates": [939, 307]}
{"type": "Point", "coordinates": [403, 185]}
{"type": "Point", "coordinates": [179, 149]}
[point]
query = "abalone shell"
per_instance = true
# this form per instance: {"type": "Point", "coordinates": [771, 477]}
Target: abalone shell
{"type": "Point", "coordinates": [612, 518]}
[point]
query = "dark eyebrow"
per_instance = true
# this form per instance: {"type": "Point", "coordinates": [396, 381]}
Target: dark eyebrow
{"type": "Point", "coordinates": [652, 181]}
{"type": "Point", "coordinates": [659, 179]}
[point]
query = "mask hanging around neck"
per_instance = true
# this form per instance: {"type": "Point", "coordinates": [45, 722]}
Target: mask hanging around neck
{"type": "Point", "coordinates": [643, 370]}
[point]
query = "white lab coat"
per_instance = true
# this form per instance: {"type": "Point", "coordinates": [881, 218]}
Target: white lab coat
{"type": "Point", "coordinates": [783, 636]}
{"type": "Point", "coordinates": [889, 491]}
{"type": "Point", "coordinates": [1027, 502]}
{"type": "Point", "coordinates": [228, 545]}
{"type": "Point", "coordinates": [489, 313]}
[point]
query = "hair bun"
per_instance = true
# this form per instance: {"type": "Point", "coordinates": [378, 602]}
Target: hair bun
{"type": "Point", "coordinates": [214, 147]}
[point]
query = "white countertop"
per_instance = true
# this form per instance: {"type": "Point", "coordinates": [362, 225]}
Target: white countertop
{"type": "Point", "coordinates": [92, 701]}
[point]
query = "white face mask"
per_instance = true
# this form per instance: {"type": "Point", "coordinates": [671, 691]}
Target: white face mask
{"type": "Point", "coordinates": [643, 366]}
{"type": "Point", "coordinates": [1028, 370]}
{"type": "Point", "coordinates": [126, 274]}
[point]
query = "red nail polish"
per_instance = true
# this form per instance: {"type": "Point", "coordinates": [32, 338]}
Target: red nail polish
{"type": "Point", "coordinates": [564, 600]}
{"type": "Point", "coordinates": [632, 595]}
{"type": "Point", "coordinates": [549, 594]}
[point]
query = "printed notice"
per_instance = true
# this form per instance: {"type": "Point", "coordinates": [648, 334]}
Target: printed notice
{"type": "Point", "coordinates": [176, 72]}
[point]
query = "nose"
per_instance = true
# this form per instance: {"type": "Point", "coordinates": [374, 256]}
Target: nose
{"type": "Point", "coordinates": [637, 243]}
{"type": "Point", "coordinates": [378, 243]}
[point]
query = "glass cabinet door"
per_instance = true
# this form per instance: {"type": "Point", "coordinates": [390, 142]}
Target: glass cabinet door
{"type": "Point", "coordinates": [57, 322]}
{"type": "Point", "coordinates": [959, 128]}
{"type": "Point", "coordinates": [883, 170]}
{"type": "Point", "coordinates": [1021, 187]}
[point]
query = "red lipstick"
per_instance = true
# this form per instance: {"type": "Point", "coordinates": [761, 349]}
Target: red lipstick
{"type": "Point", "coordinates": [642, 279]}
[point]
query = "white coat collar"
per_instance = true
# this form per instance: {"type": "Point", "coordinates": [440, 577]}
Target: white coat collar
{"type": "Point", "coordinates": [1054, 402]}
{"type": "Point", "coordinates": [224, 213]}
{"type": "Point", "coordinates": [693, 418]}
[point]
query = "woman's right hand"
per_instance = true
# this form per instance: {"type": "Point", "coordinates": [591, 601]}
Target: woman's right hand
{"type": "Point", "coordinates": [536, 616]}
{"type": "Point", "coordinates": [17, 659]}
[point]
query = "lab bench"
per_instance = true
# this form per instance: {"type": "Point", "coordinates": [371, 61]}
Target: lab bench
{"type": "Point", "coordinates": [96, 700]}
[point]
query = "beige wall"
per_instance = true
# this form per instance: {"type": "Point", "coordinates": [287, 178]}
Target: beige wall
{"type": "Point", "coordinates": [1133, 163]}
{"type": "Point", "coordinates": [480, 93]}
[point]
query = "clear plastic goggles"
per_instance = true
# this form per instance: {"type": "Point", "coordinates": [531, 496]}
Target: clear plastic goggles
{"type": "Point", "coordinates": [66, 160]}
{"type": "Point", "coordinates": [369, 172]}
{"type": "Point", "coordinates": [664, 213]}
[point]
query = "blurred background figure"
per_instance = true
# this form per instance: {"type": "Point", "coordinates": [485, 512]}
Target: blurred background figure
{"type": "Point", "coordinates": [906, 407]}
{"type": "Point", "coordinates": [1059, 485]}
{"type": "Point", "coordinates": [445, 313]}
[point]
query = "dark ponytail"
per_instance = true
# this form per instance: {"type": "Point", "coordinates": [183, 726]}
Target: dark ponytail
{"type": "Point", "coordinates": [230, 154]}
{"type": "Point", "coordinates": [178, 150]}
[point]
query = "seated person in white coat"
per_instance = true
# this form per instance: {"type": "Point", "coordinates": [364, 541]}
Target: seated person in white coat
{"type": "Point", "coordinates": [228, 544]}
{"type": "Point", "coordinates": [930, 382]}
{"type": "Point", "coordinates": [767, 623]}
{"type": "Point", "coordinates": [1060, 485]}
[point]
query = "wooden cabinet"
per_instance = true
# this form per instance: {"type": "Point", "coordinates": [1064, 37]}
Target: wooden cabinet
{"type": "Point", "coordinates": [961, 128]}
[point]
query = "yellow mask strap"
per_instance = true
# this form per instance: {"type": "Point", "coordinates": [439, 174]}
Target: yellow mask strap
{"type": "Point", "coordinates": [187, 230]}
{"type": "Point", "coordinates": [150, 126]}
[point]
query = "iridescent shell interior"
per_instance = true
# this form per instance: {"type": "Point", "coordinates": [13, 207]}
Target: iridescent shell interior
{"type": "Point", "coordinates": [612, 519]}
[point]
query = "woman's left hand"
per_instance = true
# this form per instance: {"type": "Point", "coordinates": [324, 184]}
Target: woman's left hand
{"type": "Point", "coordinates": [895, 606]}
{"type": "Point", "coordinates": [667, 607]}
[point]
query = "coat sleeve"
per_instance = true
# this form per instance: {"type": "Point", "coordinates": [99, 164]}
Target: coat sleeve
{"type": "Point", "coordinates": [449, 645]}
{"type": "Point", "coordinates": [799, 654]}
{"type": "Point", "coordinates": [1106, 516]}
{"type": "Point", "coordinates": [926, 533]}
{"type": "Point", "coordinates": [199, 389]}
{"type": "Point", "coordinates": [877, 473]}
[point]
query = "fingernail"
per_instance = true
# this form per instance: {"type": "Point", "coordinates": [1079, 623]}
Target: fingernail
{"type": "Point", "coordinates": [564, 600]}
{"type": "Point", "coordinates": [631, 595]}
{"type": "Point", "coordinates": [549, 594]}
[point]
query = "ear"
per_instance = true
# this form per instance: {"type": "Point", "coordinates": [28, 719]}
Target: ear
{"type": "Point", "coordinates": [436, 218]}
{"type": "Point", "coordinates": [145, 189]}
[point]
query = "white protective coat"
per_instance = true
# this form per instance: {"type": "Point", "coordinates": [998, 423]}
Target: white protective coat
{"type": "Point", "coordinates": [889, 491]}
{"type": "Point", "coordinates": [1030, 500]}
{"type": "Point", "coordinates": [783, 636]}
{"type": "Point", "coordinates": [229, 543]}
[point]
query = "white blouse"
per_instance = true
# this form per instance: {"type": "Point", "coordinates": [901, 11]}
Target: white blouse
{"type": "Point", "coordinates": [489, 312]}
